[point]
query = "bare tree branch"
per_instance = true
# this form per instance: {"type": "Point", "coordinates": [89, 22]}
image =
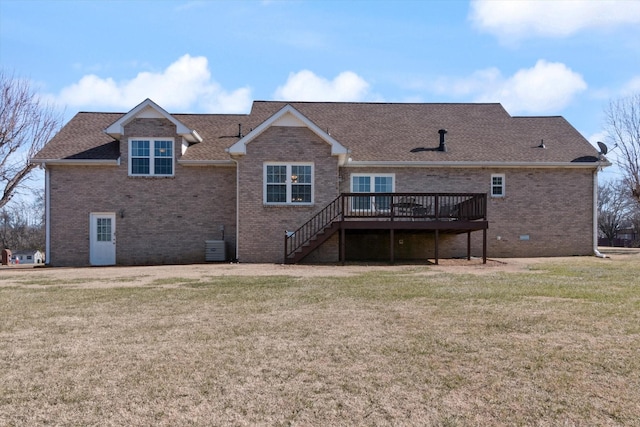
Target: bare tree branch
{"type": "Point", "coordinates": [26, 124]}
{"type": "Point", "coordinates": [22, 224]}
{"type": "Point", "coordinates": [623, 127]}
{"type": "Point", "coordinates": [614, 207]}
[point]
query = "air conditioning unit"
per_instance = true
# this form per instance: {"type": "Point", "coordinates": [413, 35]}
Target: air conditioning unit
{"type": "Point", "coordinates": [215, 250]}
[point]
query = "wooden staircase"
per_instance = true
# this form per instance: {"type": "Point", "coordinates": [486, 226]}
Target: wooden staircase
{"type": "Point", "coordinates": [300, 243]}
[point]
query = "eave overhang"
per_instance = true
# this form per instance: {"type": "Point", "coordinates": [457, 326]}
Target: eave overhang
{"type": "Point", "coordinates": [117, 129]}
{"type": "Point", "coordinates": [226, 163]}
{"type": "Point", "coordinates": [77, 162]}
{"type": "Point", "coordinates": [461, 164]}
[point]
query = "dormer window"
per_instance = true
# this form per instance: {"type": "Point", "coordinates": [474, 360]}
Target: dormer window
{"type": "Point", "coordinates": [151, 157]}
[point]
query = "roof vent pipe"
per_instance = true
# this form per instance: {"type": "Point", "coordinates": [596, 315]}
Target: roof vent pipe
{"type": "Point", "coordinates": [442, 146]}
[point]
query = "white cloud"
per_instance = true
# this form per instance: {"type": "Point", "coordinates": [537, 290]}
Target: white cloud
{"type": "Point", "coordinates": [545, 88]}
{"type": "Point", "coordinates": [480, 81]}
{"type": "Point", "coordinates": [306, 86]}
{"type": "Point", "coordinates": [185, 85]}
{"type": "Point", "coordinates": [512, 20]}
{"type": "Point", "coordinates": [632, 87]}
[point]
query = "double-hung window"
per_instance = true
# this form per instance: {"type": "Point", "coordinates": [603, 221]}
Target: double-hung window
{"type": "Point", "coordinates": [497, 185]}
{"type": "Point", "coordinates": [151, 157]}
{"type": "Point", "coordinates": [288, 183]}
{"type": "Point", "coordinates": [367, 183]}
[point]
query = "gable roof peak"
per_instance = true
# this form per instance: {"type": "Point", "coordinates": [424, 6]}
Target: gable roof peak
{"type": "Point", "coordinates": [148, 108]}
{"type": "Point", "coordinates": [287, 115]}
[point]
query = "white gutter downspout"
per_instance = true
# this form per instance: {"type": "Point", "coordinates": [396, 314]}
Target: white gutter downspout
{"type": "Point", "coordinates": [596, 252]}
{"type": "Point", "coordinates": [237, 258]}
{"type": "Point", "coordinates": [47, 216]}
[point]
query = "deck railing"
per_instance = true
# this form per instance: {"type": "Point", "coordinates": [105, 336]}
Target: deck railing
{"type": "Point", "coordinates": [415, 206]}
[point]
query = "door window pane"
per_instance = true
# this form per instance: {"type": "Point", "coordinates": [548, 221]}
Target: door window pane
{"type": "Point", "coordinates": [361, 184]}
{"type": "Point", "coordinates": [103, 229]}
{"type": "Point", "coordinates": [371, 184]}
{"type": "Point", "coordinates": [383, 184]}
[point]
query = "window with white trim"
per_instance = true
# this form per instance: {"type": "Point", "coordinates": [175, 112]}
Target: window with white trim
{"type": "Point", "coordinates": [288, 183]}
{"type": "Point", "coordinates": [372, 183]}
{"type": "Point", "coordinates": [151, 157]}
{"type": "Point", "coordinates": [497, 185]}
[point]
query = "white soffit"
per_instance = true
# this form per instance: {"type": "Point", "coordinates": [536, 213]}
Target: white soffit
{"type": "Point", "coordinates": [149, 113]}
{"type": "Point", "coordinates": [289, 120]}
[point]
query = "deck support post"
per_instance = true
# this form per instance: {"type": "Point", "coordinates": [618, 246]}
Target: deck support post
{"type": "Point", "coordinates": [391, 239]}
{"type": "Point", "coordinates": [468, 246]}
{"type": "Point", "coordinates": [342, 250]}
{"type": "Point", "coordinates": [437, 241]}
{"type": "Point", "coordinates": [484, 245]}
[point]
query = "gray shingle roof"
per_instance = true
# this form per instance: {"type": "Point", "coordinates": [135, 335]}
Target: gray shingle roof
{"type": "Point", "coordinates": [83, 139]}
{"type": "Point", "coordinates": [374, 132]}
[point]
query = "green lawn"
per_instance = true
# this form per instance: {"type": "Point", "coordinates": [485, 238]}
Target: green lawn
{"type": "Point", "coordinates": [557, 345]}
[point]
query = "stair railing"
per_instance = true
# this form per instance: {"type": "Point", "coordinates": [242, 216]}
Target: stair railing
{"type": "Point", "coordinates": [294, 240]}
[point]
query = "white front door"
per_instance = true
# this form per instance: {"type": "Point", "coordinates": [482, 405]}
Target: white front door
{"type": "Point", "coordinates": [102, 246]}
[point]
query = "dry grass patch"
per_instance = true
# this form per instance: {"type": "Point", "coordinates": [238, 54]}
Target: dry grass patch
{"type": "Point", "coordinates": [400, 347]}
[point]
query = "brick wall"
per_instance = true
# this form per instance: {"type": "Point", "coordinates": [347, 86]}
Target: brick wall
{"type": "Point", "coordinates": [158, 220]}
{"type": "Point", "coordinates": [261, 228]}
{"type": "Point", "coordinates": [552, 207]}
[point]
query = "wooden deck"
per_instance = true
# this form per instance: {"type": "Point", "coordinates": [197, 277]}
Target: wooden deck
{"type": "Point", "coordinates": [441, 213]}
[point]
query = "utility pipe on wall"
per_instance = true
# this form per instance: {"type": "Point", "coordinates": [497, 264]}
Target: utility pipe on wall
{"type": "Point", "coordinates": [596, 252]}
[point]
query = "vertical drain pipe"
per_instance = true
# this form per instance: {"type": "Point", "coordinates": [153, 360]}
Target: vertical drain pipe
{"type": "Point", "coordinates": [47, 214]}
{"type": "Point", "coordinates": [596, 252]}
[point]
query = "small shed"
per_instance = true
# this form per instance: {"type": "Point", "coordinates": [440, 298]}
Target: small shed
{"type": "Point", "coordinates": [6, 257]}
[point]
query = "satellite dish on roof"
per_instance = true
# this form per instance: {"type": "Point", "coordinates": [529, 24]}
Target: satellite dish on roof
{"type": "Point", "coordinates": [603, 147]}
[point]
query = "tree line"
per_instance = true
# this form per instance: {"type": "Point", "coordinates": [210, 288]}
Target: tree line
{"type": "Point", "coordinates": [619, 200]}
{"type": "Point", "coordinates": [22, 224]}
{"type": "Point", "coordinates": [618, 215]}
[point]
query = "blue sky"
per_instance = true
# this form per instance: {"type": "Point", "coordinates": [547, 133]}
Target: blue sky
{"type": "Point", "coordinates": [540, 57]}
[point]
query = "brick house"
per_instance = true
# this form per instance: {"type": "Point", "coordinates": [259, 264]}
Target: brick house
{"type": "Point", "coordinates": [317, 182]}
